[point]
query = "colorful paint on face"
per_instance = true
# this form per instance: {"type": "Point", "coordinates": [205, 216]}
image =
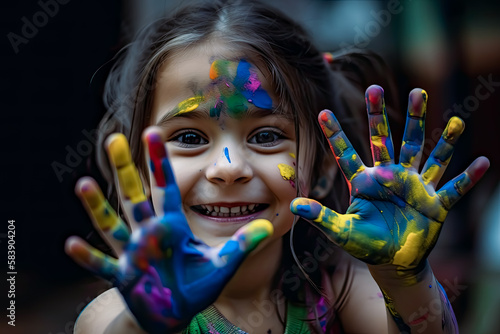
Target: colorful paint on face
{"type": "Point", "coordinates": [235, 85]}
{"type": "Point", "coordinates": [287, 173]}
{"type": "Point", "coordinates": [226, 153]}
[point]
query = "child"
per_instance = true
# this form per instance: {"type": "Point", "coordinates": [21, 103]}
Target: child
{"type": "Point", "coordinates": [233, 91]}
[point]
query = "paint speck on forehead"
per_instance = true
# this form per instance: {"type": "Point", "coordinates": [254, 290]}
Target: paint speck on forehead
{"type": "Point", "coordinates": [234, 86]}
{"type": "Point", "coordinates": [226, 153]}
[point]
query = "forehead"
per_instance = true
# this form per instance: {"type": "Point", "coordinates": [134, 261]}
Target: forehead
{"type": "Point", "coordinates": [187, 77]}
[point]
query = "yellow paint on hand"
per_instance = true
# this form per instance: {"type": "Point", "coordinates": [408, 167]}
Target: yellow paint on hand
{"type": "Point", "coordinates": [292, 155]}
{"type": "Point", "coordinates": [287, 172]}
{"type": "Point", "coordinates": [119, 151]}
{"type": "Point", "coordinates": [431, 174]}
{"type": "Point", "coordinates": [407, 254]}
{"type": "Point", "coordinates": [382, 129]}
{"type": "Point", "coordinates": [378, 244]}
{"type": "Point", "coordinates": [128, 176]}
{"type": "Point", "coordinates": [131, 184]}
{"type": "Point", "coordinates": [453, 129]}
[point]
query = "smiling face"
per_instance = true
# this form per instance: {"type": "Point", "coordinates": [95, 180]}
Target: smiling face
{"type": "Point", "coordinates": [232, 154]}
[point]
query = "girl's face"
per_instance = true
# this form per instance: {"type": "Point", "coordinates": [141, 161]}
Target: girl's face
{"type": "Point", "coordinates": [233, 158]}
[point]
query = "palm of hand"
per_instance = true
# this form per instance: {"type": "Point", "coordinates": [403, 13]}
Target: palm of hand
{"type": "Point", "coordinates": [395, 214]}
{"type": "Point", "coordinates": [396, 217]}
{"type": "Point", "coordinates": [165, 274]}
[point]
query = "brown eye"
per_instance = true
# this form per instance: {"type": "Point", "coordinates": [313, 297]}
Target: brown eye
{"type": "Point", "coordinates": [266, 138]}
{"type": "Point", "coordinates": [190, 139]}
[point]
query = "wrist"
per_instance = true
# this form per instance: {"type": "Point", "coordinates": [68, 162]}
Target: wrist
{"type": "Point", "coordinates": [390, 276]}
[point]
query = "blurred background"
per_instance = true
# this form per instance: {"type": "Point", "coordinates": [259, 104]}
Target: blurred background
{"type": "Point", "coordinates": [54, 59]}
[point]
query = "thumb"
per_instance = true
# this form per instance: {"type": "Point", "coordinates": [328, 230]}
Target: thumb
{"type": "Point", "coordinates": [246, 239]}
{"type": "Point", "coordinates": [334, 225]}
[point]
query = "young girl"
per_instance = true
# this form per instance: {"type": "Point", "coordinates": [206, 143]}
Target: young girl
{"type": "Point", "coordinates": [233, 92]}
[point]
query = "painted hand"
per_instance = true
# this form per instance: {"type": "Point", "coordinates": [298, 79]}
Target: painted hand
{"type": "Point", "coordinates": [395, 214]}
{"type": "Point", "coordinates": [165, 274]}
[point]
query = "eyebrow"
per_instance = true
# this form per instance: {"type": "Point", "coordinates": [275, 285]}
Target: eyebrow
{"type": "Point", "coordinates": [204, 114]}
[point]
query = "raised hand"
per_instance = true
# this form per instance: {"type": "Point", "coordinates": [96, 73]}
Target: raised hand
{"type": "Point", "coordinates": [165, 274]}
{"type": "Point", "coordinates": [396, 213]}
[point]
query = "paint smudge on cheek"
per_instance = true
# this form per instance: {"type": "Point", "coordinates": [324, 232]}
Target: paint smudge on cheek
{"type": "Point", "coordinates": [226, 153]}
{"type": "Point", "coordinates": [287, 173]}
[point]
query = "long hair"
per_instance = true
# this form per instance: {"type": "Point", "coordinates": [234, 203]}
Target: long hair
{"type": "Point", "coordinates": [301, 78]}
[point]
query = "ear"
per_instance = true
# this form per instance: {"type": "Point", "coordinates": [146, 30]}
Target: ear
{"type": "Point", "coordinates": [324, 183]}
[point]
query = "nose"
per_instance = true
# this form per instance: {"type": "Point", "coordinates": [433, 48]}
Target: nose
{"type": "Point", "coordinates": [231, 166]}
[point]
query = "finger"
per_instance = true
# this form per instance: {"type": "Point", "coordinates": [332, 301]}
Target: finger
{"type": "Point", "coordinates": [441, 155]}
{"type": "Point", "coordinates": [110, 226]}
{"type": "Point", "coordinates": [349, 162]}
{"type": "Point", "coordinates": [92, 259]}
{"type": "Point", "coordinates": [335, 226]}
{"type": "Point", "coordinates": [413, 138]}
{"type": "Point", "coordinates": [132, 198]}
{"type": "Point", "coordinates": [380, 133]}
{"type": "Point", "coordinates": [453, 190]}
{"type": "Point", "coordinates": [247, 239]}
{"type": "Point", "coordinates": [162, 170]}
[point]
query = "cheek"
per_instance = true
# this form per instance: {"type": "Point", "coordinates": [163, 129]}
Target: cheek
{"type": "Point", "coordinates": [283, 176]}
{"type": "Point", "coordinates": [185, 173]}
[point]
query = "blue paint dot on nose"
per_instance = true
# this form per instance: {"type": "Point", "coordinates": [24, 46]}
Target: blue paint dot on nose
{"type": "Point", "coordinates": [226, 153]}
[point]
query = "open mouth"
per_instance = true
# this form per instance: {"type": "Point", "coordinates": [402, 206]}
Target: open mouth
{"type": "Point", "coordinates": [225, 211]}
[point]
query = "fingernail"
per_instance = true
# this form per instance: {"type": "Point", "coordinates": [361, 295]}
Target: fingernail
{"type": "Point", "coordinates": [417, 102]}
{"type": "Point", "coordinates": [453, 129]}
{"type": "Point", "coordinates": [119, 151]}
{"type": "Point", "coordinates": [374, 98]}
{"type": "Point", "coordinates": [306, 208]}
{"type": "Point", "coordinates": [328, 123]}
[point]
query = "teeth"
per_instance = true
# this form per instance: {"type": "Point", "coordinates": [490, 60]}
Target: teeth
{"type": "Point", "coordinates": [223, 211]}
